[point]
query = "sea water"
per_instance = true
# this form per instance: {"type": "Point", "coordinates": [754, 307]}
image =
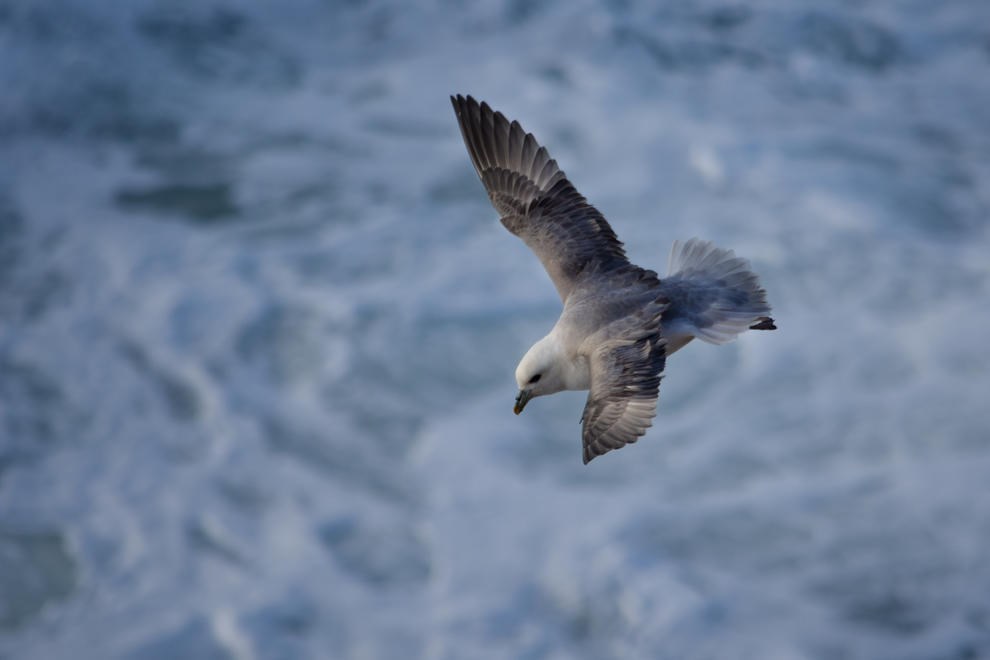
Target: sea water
{"type": "Point", "coordinates": [259, 323]}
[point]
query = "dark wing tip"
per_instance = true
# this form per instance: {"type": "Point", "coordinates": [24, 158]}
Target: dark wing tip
{"type": "Point", "coordinates": [467, 105]}
{"type": "Point", "coordinates": [462, 102]}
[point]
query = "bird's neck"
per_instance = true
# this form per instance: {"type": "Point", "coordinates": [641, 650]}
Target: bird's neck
{"type": "Point", "coordinates": [572, 369]}
{"type": "Point", "coordinates": [577, 373]}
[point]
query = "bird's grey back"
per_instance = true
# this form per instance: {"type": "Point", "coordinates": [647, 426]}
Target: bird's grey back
{"type": "Point", "coordinates": [603, 297]}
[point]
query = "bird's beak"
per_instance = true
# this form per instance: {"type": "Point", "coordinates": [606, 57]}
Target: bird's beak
{"type": "Point", "coordinates": [522, 400]}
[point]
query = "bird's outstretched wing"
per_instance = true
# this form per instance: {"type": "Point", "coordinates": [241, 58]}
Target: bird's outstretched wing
{"type": "Point", "coordinates": [534, 198]}
{"type": "Point", "coordinates": [625, 382]}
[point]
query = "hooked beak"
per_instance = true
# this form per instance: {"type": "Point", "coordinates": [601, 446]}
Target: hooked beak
{"type": "Point", "coordinates": [522, 400]}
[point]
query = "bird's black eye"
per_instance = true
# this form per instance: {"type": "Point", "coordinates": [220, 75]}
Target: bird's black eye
{"type": "Point", "coordinates": [535, 379]}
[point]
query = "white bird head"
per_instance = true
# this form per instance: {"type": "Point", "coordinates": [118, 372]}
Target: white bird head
{"type": "Point", "coordinates": [542, 371]}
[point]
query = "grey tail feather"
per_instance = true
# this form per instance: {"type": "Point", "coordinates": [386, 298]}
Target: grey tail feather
{"type": "Point", "coordinates": [714, 294]}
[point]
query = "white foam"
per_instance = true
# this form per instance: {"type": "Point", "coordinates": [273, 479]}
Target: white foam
{"type": "Point", "coordinates": [251, 262]}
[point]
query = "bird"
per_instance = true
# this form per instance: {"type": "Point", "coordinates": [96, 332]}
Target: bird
{"type": "Point", "coordinates": [619, 322]}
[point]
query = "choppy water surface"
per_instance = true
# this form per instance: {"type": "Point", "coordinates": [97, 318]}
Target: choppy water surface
{"type": "Point", "coordinates": [258, 327]}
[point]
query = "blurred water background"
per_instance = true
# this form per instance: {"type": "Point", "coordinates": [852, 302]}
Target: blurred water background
{"type": "Point", "coordinates": [258, 327]}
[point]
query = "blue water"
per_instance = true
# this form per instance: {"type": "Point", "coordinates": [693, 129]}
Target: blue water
{"type": "Point", "coordinates": [258, 328]}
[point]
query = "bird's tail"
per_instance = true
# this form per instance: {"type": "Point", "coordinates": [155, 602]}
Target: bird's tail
{"type": "Point", "coordinates": [714, 295]}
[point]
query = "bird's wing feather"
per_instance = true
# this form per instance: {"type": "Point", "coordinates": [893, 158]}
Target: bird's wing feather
{"type": "Point", "coordinates": [626, 370]}
{"type": "Point", "coordinates": [534, 198]}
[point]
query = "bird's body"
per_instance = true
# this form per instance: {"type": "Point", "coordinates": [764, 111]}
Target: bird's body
{"type": "Point", "coordinates": [620, 321]}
